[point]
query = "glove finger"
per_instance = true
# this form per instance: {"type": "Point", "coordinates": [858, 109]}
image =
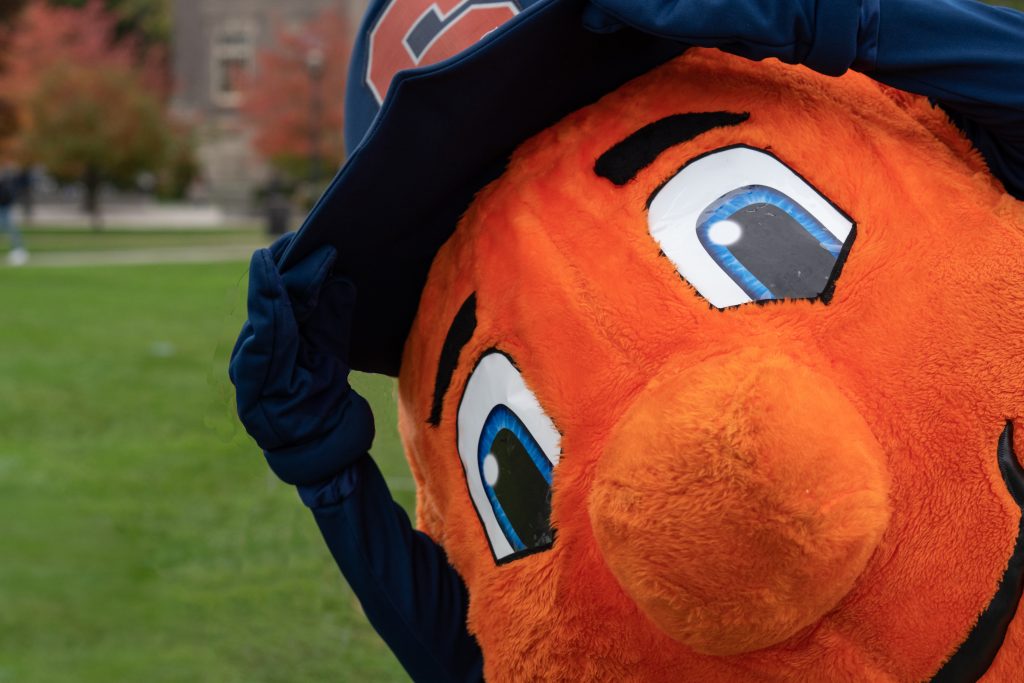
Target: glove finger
{"type": "Point", "coordinates": [265, 360]}
{"type": "Point", "coordinates": [246, 371]}
{"type": "Point", "coordinates": [313, 406]}
{"type": "Point", "coordinates": [697, 22]}
{"type": "Point", "coordinates": [328, 328]}
{"type": "Point", "coordinates": [292, 405]}
{"type": "Point", "coordinates": [270, 310]}
{"type": "Point", "coordinates": [281, 245]}
{"type": "Point", "coordinates": [244, 334]}
{"type": "Point", "coordinates": [349, 438]}
{"type": "Point", "coordinates": [304, 280]}
{"type": "Point", "coordinates": [605, 13]}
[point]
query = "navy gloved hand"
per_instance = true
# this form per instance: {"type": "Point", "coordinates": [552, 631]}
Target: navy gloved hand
{"type": "Point", "coordinates": [822, 34]}
{"type": "Point", "coordinates": [290, 370]}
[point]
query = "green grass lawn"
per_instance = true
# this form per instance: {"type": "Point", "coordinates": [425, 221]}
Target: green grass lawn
{"type": "Point", "coordinates": [143, 538]}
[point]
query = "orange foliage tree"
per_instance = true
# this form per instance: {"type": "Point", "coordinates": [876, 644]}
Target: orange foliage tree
{"type": "Point", "coordinates": [46, 36]}
{"type": "Point", "coordinates": [293, 99]}
{"type": "Point", "coordinates": [90, 106]}
{"type": "Point", "coordinates": [9, 11]}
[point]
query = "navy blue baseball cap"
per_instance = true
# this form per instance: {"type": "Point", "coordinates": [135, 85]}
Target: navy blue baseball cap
{"type": "Point", "coordinates": [440, 92]}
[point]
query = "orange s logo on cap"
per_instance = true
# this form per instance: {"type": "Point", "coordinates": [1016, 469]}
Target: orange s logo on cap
{"type": "Point", "coordinates": [412, 33]}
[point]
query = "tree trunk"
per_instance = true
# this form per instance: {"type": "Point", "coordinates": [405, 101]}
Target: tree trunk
{"type": "Point", "coordinates": [92, 197]}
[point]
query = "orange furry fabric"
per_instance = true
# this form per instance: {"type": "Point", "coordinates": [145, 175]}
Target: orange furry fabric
{"type": "Point", "coordinates": [726, 507]}
{"type": "Point", "coordinates": [784, 492]}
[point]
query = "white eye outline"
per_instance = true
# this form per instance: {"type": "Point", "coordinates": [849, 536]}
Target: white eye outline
{"type": "Point", "coordinates": [674, 212]}
{"type": "Point", "coordinates": [496, 381]}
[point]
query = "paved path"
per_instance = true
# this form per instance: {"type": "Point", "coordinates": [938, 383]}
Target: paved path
{"type": "Point", "coordinates": [147, 215]}
{"type": "Point", "coordinates": [126, 257]}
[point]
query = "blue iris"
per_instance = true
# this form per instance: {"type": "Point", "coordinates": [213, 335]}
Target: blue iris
{"type": "Point", "coordinates": [730, 206]}
{"type": "Point", "coordinates": [502, 421]}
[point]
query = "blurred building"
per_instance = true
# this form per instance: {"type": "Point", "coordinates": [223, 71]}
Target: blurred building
{"type": "Point", "coordinates": [213, 40]}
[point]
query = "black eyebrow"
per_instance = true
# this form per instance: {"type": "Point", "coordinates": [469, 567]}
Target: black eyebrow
{"type": "Point", "coordinates": [459, 334]}
{"type": "Point", "coordinates": [626, 159]}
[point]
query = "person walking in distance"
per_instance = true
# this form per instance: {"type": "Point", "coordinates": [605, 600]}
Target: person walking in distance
{"type": "Point", "coordinates": [18, 255]}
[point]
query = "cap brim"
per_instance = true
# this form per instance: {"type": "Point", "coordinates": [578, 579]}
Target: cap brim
{"type": "Point", "coordinates": [443, 133]}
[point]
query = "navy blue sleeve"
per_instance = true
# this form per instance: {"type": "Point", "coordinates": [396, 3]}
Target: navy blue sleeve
{"type": "Point", "coordinates": [410, 593]}
{"type": "Point", "coordinates": [291, 379]}
{"type": "Point", "coordinates": [966, 56]}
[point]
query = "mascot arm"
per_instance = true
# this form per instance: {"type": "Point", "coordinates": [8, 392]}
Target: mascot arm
{"type": "Point", "coordinates": [978, 77]}
{"type": "Point", "coordinates": [411, 595]}
{"type": "Point", "coordinates": [290, 374]}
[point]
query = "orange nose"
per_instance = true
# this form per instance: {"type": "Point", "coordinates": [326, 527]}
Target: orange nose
{"type": "Point", "coordinates": [738, 501]}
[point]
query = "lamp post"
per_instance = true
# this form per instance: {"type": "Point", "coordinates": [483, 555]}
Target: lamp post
{"type": "Point", "coordinates": [315, 68]}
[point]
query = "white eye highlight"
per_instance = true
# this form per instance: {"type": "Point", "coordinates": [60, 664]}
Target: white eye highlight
{"type": "Point", "coordinates": [740, 226]}
{"type": "Point", "coordinates": [490, 469]}
{"type": "Point", "coordinates": [725, 232]}
{"type": "Point", "coordinates": [509, 448]}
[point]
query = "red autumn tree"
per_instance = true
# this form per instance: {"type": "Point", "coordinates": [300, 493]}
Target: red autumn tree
{"type": "Point", "coordinates": [90, 106]}
{"type": "Point", "coordinates": [293, 99]}
{"type": "Point", "coordinates": [149, 20]}
{"type": "Point", "coordinates": [95, 125]}
{"type": "Point", "coordinates": [9, 11]}
{"type": "Point", "coordinates": [45, 36]}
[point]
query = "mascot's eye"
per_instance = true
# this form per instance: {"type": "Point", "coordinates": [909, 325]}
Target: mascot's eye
{"type": "Point", "coordinates": [740, 226]}
{"type": "Point", "coordinates": [509, 448]}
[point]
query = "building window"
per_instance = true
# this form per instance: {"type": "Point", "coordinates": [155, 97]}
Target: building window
{"type": "Point", "coordinates": [232, 56]}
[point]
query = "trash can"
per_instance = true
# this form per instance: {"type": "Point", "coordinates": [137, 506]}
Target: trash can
{"type": "Point", "coordinates": [278, 209]}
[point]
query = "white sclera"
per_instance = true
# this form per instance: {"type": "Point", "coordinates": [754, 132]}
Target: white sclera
{"type": "Point", "coordinates": [676, 209]}
{"type": "Point", "coordinates": [494, 382]}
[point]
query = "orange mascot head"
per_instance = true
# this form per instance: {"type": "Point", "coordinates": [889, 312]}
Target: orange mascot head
{"type": "Point", "coordinates": [718, 381]}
